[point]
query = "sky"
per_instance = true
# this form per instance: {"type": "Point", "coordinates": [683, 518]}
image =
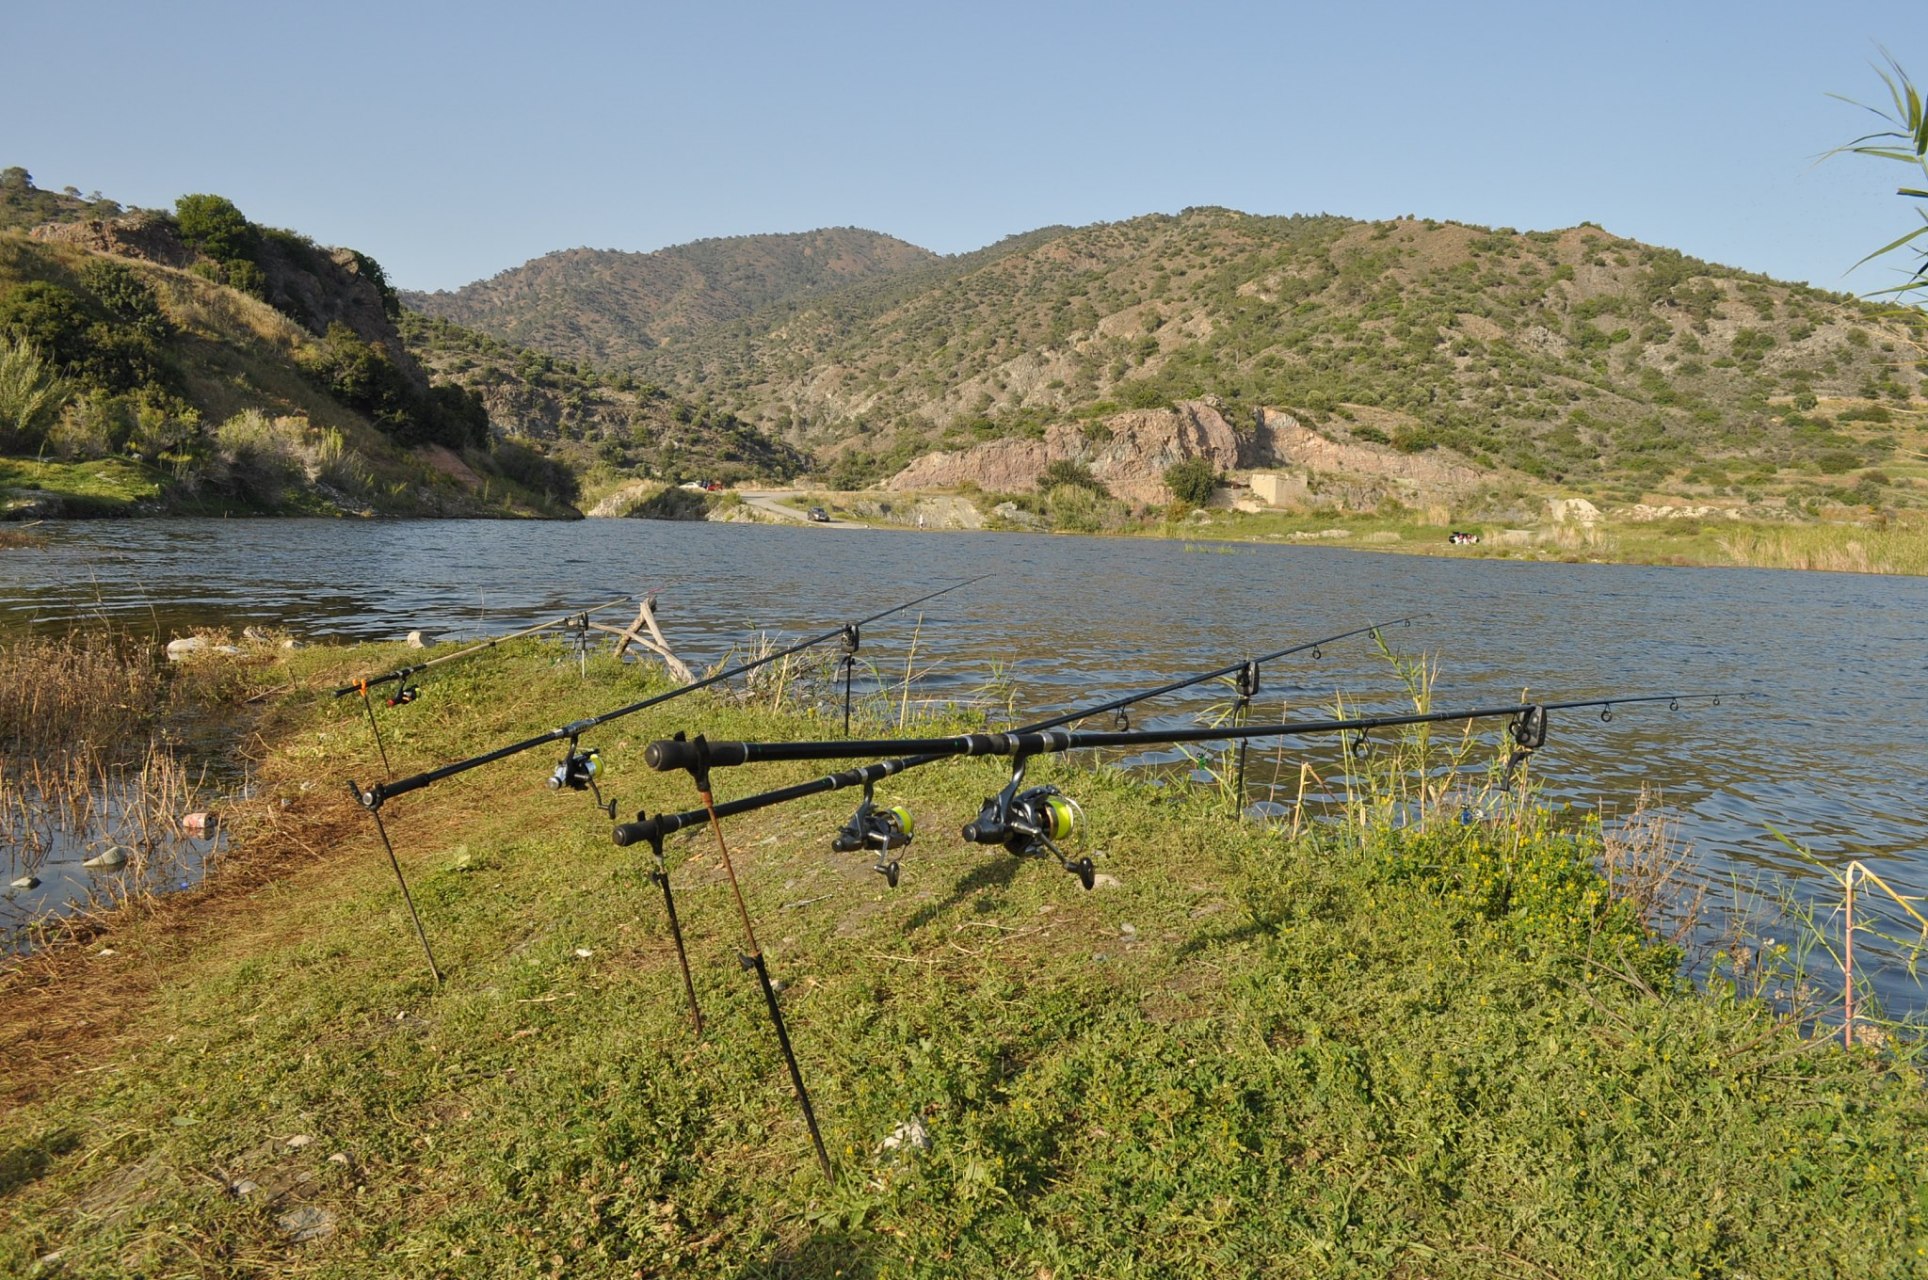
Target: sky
{"type": "Point", "coordinates": [453, 141]}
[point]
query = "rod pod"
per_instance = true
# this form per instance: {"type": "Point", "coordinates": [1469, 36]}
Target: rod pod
{"type": "Point", "coordinates": [752, 957]}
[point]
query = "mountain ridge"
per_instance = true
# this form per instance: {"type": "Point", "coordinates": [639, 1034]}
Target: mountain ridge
{"type": "Point", "coordinates": [647, 299]}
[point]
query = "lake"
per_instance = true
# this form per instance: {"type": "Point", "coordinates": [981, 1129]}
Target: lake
{"type": "Point", "coordinates": [1828, 742]}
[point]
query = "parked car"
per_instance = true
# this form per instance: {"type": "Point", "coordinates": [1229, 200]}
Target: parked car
{"type": "Point", "coordinates": [818, 514]}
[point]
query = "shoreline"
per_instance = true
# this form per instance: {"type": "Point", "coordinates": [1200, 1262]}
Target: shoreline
{"type": "Point", "coordinates": [1897, 546]}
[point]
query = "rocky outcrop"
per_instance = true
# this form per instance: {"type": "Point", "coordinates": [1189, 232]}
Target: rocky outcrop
{"type": "Point", "coordinates": [1434, 473]}
{"type": "Point", "coordinates": [146, 236]}
{"type": "Point", "coordinates": [319, 287]}
{"type": "Point", "coordinates": [1127, 452]}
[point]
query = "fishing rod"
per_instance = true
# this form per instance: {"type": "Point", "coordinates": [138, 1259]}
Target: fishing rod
{"type": "Point", "coordinates": [375, 796]}
{"type": "Point", "coordinates": [579, 768]}
{"type": "Point", "coordinates": [406, 695]}
{"type": "Point", "coordinates": [1029, 823]}
{"type": "Point", "coordinates": [891, 828]}
{"type": "Point", "coordinates": [887, 828]}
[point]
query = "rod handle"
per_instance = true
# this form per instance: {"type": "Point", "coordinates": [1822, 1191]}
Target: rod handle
{"type": "Point", "coordinates": [637, 832]}
{"type": "Point", "coordinates": [668, 755]}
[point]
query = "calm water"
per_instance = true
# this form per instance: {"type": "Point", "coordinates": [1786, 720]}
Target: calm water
{"type": "Point", "coordinates": [1829, 746]}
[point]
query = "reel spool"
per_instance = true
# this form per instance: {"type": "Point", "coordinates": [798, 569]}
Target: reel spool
{"type": "Point", "coordinates": [404, 695]}
{"type": "Point", "coordinates": [1029, 824]}
{"type": "Point", "coordinates": [578, 771]}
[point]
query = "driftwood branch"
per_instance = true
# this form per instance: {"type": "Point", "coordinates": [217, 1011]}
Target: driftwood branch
{"type": "Point", "coordinates": [652, 643]}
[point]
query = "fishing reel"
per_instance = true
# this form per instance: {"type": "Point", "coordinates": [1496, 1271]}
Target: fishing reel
{"type": "Point", "coordinates": [1528, 731]}
{"type": "Point", "coordinates": [1029, 823]}
{"type": "Point", "coordinates": [882, 829]}
{"type": "Point", "coordinates": [578, 771]}
{"type": "Point", "coordinates": [404, 695]}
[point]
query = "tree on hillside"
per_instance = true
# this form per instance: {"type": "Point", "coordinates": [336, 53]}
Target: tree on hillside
{"type": "Point", "coordinates": [1905, 141]}
{"type": "Point", "coordinates": [214, 226]}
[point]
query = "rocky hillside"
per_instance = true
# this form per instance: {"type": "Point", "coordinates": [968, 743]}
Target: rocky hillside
{"type": "Point", "coordinates": [205, 363]}
{"type": "Point", "coordinates": [1578, 358]}
{"type": "Point", "coordinates": [612, 307]}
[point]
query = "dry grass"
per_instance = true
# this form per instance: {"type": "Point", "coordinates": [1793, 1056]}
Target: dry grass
{"type": "Point", "coordinates": [1899, 548]}
{"type": "Point", "coordinates": [1646, 866]}
{"type": "Point", "coordinates": [92, 686]}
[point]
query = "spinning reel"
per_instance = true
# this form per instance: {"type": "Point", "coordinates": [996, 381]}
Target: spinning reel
{"type": "Point", "coordinates": [1528, 731]}
{"type": "Point", "coordinates": [1029, 823]}
{"type": "Point", "coordinates": [578, 771]}
{"type": "Point", "coordinates": [884, 829]}
{"type": "Point", "coordinates": [403, 696]}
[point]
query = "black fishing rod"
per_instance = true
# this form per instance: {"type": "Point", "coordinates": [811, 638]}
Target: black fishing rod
{"type": "Point", "coordinates": [578, 769]}
{"type": "Point", "coordinates": [374, 797]}
{"type": "Point", "coordinates": [1030, 822]}
{"type": "Point", "coordinates": [890, 828]}
{"type": "Point", "coordinates": [670, 755]}
{"type": "Point", "coordinates": [363, 685]}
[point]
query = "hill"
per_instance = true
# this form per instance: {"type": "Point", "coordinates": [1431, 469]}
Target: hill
{"type": "Point", "coordinates": [23, 205]}
{"type": "Point", "coordinates": [607, 428]}
{"type": "Point", "coordinates": [197, 361]}
{"type": "Point", "coordinates": [1576, 358]}
{"type": "Point", "coordinates": [611, 307]}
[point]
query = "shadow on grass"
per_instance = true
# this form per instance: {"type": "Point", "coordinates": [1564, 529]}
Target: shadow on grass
{"type": "Point", "coordinates": [992, 875]}
{"type": "Point", "coordinates": [1250, 931]}
{"type": "Point", "coordinates": [30, 1161]}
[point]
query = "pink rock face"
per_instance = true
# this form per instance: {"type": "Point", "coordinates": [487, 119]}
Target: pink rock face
{"type": "Point", "coordinates": [1127, 452]}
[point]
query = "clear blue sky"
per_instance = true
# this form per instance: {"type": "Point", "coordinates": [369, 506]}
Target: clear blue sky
{"type": "Point", "coordinates": [452, 141]}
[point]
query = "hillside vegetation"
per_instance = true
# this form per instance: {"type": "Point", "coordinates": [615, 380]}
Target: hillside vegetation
{"type": "Point", "coordinates": [1577, 358]}
{"type": "Point", "coordinates": [612, 307]}
{"type": "Point", "coordinates": [606, 428]}
{"type": "Point", "coordinates": [196, 361]}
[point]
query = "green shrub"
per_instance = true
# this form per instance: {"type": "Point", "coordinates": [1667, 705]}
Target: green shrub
{"type": "Point", "coordinates": [214, 226]}
{"type": "Point", "coordinates": [1066, 472]}
{"type": "Point", "coordinates": [537, 471]}
{"type": "Point", "coordinates": [1192, 481]}
{"type": "Point", "coordinates": [31, 395]}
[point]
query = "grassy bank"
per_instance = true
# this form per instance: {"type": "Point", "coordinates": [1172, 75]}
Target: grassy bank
{"type": "Point", "coordinates": [1893, 543]}
{"type": "Point", "coordinates": [1445, 1051]}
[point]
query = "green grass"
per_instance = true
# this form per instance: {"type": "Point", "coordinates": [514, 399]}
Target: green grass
{"type": "Point", "coordinates": [1361, 1052]}
{"type": "Point", "coordinates": [101, 487]}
